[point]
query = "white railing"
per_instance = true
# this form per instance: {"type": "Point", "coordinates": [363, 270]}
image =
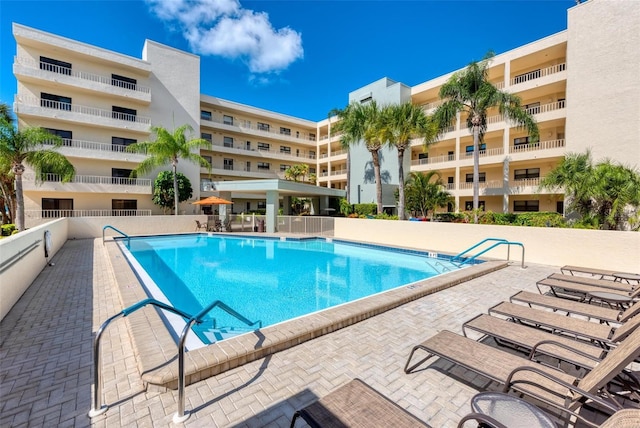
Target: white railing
{"type": "Point", "coordinates": [432, 105]}
{"type": "Point", "coordinates": [536, 74]}
{"type": "Point", "coordinates": [339, 172]}
{"type": "Point", "coordinates": [82, 75]}
{"type": "Point", "coordinates": [298, 225]}
{"type": "Point", "coordinates": [499, 84]}
{"type": "Point", "coordinates": [247, 125]}
{"type": "Point", "coordinates": [544, 108]}
{"type": "Point", "coordinates": [541, 145]}
{"type": "Point", "coordinates": [39, 214]}
{"type": "Point", "coordinates": [84, 110]}
{"type": "Point", "coordinates": [339, 152]}
{"type": "Point", "coordinates": [495, 119]}
{"type": "Point", "coordinates": [304, 154]}
{"type": "Point", "coordinates": [492, 184]}
{"type": "Point", "coordinates": [488, 152]}
{"type": "Point", "coordinates": [526, 182]}
{"type": "Point", "coordinates": [94, 146]}
{"type": "Point", "coordinates": [434, 159]}
{"type": "Point", "coordinates": [92, 179]}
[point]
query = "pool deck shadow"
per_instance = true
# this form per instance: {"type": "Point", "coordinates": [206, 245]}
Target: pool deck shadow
{"type": "Point", "coordinates": [156, 349]}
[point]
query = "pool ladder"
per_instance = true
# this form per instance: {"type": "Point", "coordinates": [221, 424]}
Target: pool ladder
{"type": "Point", "coordinates": [117, 230]}
{"type": "Point", "coordinates": [496, 243]}
{"type": "Point", "coordinates": [180, 416]}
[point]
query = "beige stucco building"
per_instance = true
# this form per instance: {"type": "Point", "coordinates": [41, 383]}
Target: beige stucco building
{"type": "Point", "coordinates": [582, 86]}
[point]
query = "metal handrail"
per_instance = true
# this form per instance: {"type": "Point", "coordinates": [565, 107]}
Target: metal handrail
{"type": "Point", "coordinates": [119, 231]}
{"type": "Point", "coordinates": [98, 407]}
{"type": "Point", "coordinates": [498, 242]}
{"type": "Point", "coordinates": [180, 416]}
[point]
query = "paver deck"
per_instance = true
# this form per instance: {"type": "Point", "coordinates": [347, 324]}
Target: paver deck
{"type": "Point", "coordinates": [46, 362]}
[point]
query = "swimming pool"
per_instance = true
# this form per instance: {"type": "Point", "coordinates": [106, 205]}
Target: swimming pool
{"type": "Point", "coordinates": [268, 281]}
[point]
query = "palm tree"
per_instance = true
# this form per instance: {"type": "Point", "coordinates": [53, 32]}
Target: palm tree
{"type": "Point", "coordinates": [167, 148]}
{"type": "Point", "coordinates": [425, 195]}
{"type": "Point", "coordinates": [18, 148]}
{"type": "Point", "coordinates": [470, 91]}
{"type": "Point", "coordinates": [332, 113]}
{"type": "Point", "coordinates": [362, 122]}
{"type": "Point", "coordinates": [573, 174]}
{"type": "Point", "coordinates": [401, 124]}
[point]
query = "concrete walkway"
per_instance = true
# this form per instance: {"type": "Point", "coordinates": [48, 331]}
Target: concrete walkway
{"type": "Point", "coordinates": [46, 356]}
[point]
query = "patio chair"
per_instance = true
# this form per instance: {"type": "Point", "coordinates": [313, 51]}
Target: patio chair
{"type": "Point", "coordinates": [602, 273]}
{"type": "Point", "coordinates": [200, 226]}
{"type": "Point", "coordinates": [603, 314]}
{"type": "Point", "coordinates": [555, 388]}
{"type": "Point", "coordinates": [581, 291]}
{"type": "Point", "coordinates": [606, 335]}
{"type": "Point", "coordinates": [602, 283]}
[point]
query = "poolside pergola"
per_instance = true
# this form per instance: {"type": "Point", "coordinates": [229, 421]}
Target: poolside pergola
{"type": "Point", "coordinates": [273, 189]}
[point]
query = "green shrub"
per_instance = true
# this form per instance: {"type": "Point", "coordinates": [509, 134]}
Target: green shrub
{"type": "Point", "coordinates": [8, 229]}
{"type": "Point", "coordinates": [448, 217]}
{"type": "Point", "coordinates": [365, 209]}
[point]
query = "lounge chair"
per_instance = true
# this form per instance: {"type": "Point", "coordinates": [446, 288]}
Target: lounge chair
{"type": "Point", "coordinates": [550, 386]}
{"type": "Point", "coordinates": [200, 226]}
{"type": "Point", "coordinates": [600, 313]}
{"type": "Point", "coordinates": [602, 283]}
{"type": "Point", "coordinates": [606, 335]}
{"type": "Point", "coordinates": [535, 341]}
{"type": "Point", "coordinates": [581, 291]}
{"type": "Point", "coordinates": [602, 273]}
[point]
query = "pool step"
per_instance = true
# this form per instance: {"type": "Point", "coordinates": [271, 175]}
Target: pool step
{"type": "Point", "coordinates": [221, 333]}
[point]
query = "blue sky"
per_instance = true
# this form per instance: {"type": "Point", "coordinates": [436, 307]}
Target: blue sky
{"type": "Point", "coordinates": [297, 57]}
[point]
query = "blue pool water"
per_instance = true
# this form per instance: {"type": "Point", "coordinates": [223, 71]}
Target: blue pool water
{"type": "Point", "coordinates": [271, 280]}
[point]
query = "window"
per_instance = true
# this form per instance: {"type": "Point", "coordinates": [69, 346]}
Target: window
{"type": "Point", "coordinates": [262, 205]}
{"type": "Point", "coordinates": [55, 101]}
{"type": "Point", "coordinates": [312, 136]}
{"type": "Point", "coordinates": [529, 206]}
{"type": "Point", "coordinates": [119, 143]}
{"type": "Point", "coordinates": [366, 99]}
{"type": "Point", "coordinates": [263, 146]}
{"type": "Point", "coordinates": [468, 205]}
{"type": "Point", "coordinates": [248, 145]}
{"type": "Point", "coordinates": [450, 180]}
{"type": "Point", "coordinates": [57, 66]}
{"type": "Point", "coordinates": [263, 126]}
{"type": "Point", "coordinates": [312, 154]}
{"type": "Point", "coordinates": [227, 141]}
{"type": "Point", "coordinates": [123, 204]}
{"type": "Point", "coordinates": [248, 206]}
{"type": "Point", "coordinates": [123, 82]}
{"type": "Point", "coordinates": [283, 167]}
{"type": "Point", "coordinates": [533, 108]}
{"type": "Point", "coordinates": [122, 176]}
{"type": "Point", "coordinates": [451, 156]}
{"type": "Point", "coordinates": [285, 149]}
{"type": "Point", "coordinates": [285, 131]}
{"type": "Point", "coordinates": [312, 170]}
{"type": "Point", "coordinates": [520, 141]}
{"type": "Point", "coordinates": [227, 120]}
{"type": "Point", "coordinates": [205, 115]}
{"type": "Point", "coordinates": [66, 136]}
{"type": "Point", "coordinates": [481, 178]}
{"type": "Point", "coordinates": [122, 113]}
{"type": "Point", "coordinates": [521, 174]}
{"type": "Point", "coordinates": [52, 208]}
{"type": "Point", "coordinates": [469, 149]}
{"type": "Point", "coordinates": [248, 166]}
{"type": "Point", "coordinates": [208, 159]}
{"type": "Point", "coordinates": [228, 164]}
{"type": "Point", "coordinates": [206, 136]}
{"type": "Point", "coordinates": [423, 155]}
{"type": "Point", "coordinates": [264, 165]}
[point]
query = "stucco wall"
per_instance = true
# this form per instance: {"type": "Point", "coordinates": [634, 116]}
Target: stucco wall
{"type": "Point", "coordinates": [91, 227]}
{"type": "Point", "coordinates": [551, 246]}
{"type": "Point", "coordinates": [16, 277]}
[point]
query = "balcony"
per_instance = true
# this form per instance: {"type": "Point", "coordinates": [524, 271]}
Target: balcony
{"type": "Point", "coordinates": [29, 69]}
{"type": "Point", "coordinates": [95, 150]}
{"type": "Point", "coordinates": [248, 127]}
{"type": "Point", "coordinates": [538, 74]}
{"type": "Point", "coordinates": [88, 184]}
{"type": "Point", "coordinates": [541, 145]}
{"type": "Point", "coordinates": [491, 184]}
{"type": "Point", "coordinates": [40, 107]}
{"type": "Point", "coordinates": [40, 214]}
{"type": "Point", "coordinates": [241, 149]}
{"type": "Point", "coordinates": [433, 160]}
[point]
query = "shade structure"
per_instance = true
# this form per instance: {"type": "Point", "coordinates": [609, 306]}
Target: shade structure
{"type": "Point", "coordinates": [212, 200]}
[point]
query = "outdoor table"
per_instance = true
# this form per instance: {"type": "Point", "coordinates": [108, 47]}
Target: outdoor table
{"type": "Point", "coordinates": [510, 411]}
{"type": "Point", "coordinates": [614, 300]}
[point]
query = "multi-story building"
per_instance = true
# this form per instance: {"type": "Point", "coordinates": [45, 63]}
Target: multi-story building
{"type": "Point", "coordinates": [581, 85]}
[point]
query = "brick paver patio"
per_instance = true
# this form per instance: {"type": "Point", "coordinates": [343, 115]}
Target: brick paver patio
{"type": "Point", "coordinates": [46, 361]}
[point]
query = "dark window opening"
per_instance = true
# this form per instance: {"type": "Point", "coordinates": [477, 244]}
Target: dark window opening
{"type": "Point", "coordinates": [54, 208]}
{"type": "Point", "coordinates": [264, 165]}
{"type": "Point", "coordinates": [469, 149]}
{"type": "Point", "coordinates": [119, 143]}
{"type": "Point", "coordinates": [122, 176]}
{"type": "Point", "coordinates": [263, 146]}
{"type": "Point", "coordinates": [66, 136]}
{"type": "Point", "coordinates": [206, 136]}
{"type": "Point", "coordinates": [228, 164]}
{"type": "Point", "coordinates": [468, 205]}
{"type": "Point", "coordinates": [118, 205]}
{"type": "Point", "coordinates": [482, 177]}
{"type": "Point", "coordinates": [205, 115]}
{"type": "Point", "coordinates": [227, 141]}
{"type": "Point", "coordinates": [521, 174]}
{"type": "Point", "coordinates": [526, 206]}
{"type": "Point", "coordinates": [55, 101]}
{"type": "Point", "coordinates": [285, 131]}
{"type": "Point", "coordinates": [123, 113]}
{"type": "Point", "coordinates": [54, 65]}
{"type": "Point", "coordinates": [123, 82]}
{"type": "Point", "coordinates": [227, 120]}
{"type": "Point", "coordinates": [263, 126]}
{"type": "Point", "coordinates": [285, 150]}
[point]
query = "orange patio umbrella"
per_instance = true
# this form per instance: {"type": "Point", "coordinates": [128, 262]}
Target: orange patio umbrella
{"type": "Point", "coordinates": [212, 200]}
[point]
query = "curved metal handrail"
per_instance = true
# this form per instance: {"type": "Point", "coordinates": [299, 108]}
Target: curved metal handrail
{"type": "Point", "coordinates": [180, 416]}
{"type": "Point", "coordinates": [119, 231]}
{"type": "Point", "coordinates": [497, 244]}
{"type": "Point", "coordinates": [459, 255]}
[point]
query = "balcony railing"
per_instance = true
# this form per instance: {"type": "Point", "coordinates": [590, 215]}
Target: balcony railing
{"type": "Point", "coordinates": [434, 159]}
{"type": "Point", "coordinates": [83, 110]}
{"type": "Point", "coordinates": [536, 74]}
{"type": "Point", "coordinates": [39, 214]}
{"type": "Point", "coordinates": [339, 172]}
{"type": "Point", "coordinates": [544, 108]}
{"type": "Point", "coordinates": [526, 182]}
{"type": "Point", "coordinates": [78, 74]}
{"type": "Point", "coordinates": [497, 151]}
{"type": "Point", "coordinates": [492, 184]}
{"type": "Point", "coordinates": [94, 146]}
{"type": "Point", "coordinates": [245, 125]}
{"type": "Point", "coordinates": [93, 179]}
{"type": "Point", "coordinates": [541, 145]}
{"type": "Point", "coordinates": [277, 153]}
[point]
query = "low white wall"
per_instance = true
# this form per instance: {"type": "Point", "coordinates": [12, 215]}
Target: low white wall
{"type": "Point", "coordinates": [602, 249]}
{"type": "Point", "coordinates": [16, 277]}
{"type": "Point", "coordinates": [91, 227]}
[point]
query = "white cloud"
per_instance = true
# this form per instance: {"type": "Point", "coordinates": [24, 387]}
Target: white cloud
{"type": "Point", "coordinates": [224, 28]}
